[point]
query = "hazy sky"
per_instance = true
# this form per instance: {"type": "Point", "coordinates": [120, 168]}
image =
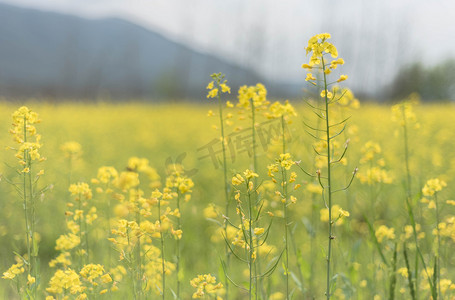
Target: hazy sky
{"type": "Point", "coordinates": [373, 36]}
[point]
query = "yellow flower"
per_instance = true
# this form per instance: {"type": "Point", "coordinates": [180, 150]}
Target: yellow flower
{"type": "Point", "coordinates": [256, 94]}
{"type": "Point", "coordinates": [258, 231]}
{"type": "Point", "coordinates": [212, 93]}
{"type": "Point", "coordinates": [225, 88]}
{"type": "Point", "coordinates": [307, 66]}
{"type": "Point", "coordinates": [337, 214]}
{"type": "Point", "coordinates": [67, 280]}
{"type": "Point", "coordinates": [92, 271]}
{"type": "Point", "coordinates": [67, 242]}
{"type": "Point", "coordinates": [107, 174]}
{"type": "Point", "coordinates": [329, 94]}
{"type": "Point", "coordinates": [342, 78]}
{"type": "Point", "coordinates": [30, 279]}
{"type": "Point", "coordinates": [403, 112]}
{"type": "Point", "coordinates": [432, 186]}
{"type": "Point", "coordinates": [385, 232]}
{"type": "Point", "coordinates": [81, 188]}
{"type": "Point", "coordinates": [318, 45]}
{"type": "Point", "coordinates": [127, 180]}
{"type": "Point", "coordinates": [293, 199]}
{"type": "Point", "coordinates": [403, 272]}
{"type": "Point", "coordinates": [309, 77]}
{"type": "Point", "coordinates": [210, 86]}
{"type": "Point", "coordinates": [249, 174]}
{"type": "Point", "coordinates": [71, 150]}
{"type": "Point", "coordinates": [237, 179]}
{"type": "Point", "coordinates": [14, 270]}
{"type": "Point", "coordinates": [293, 177]}
{"type": "Point", "coordinates": [276, 296]}
{"type": "Point", "coordinates": [285, 161]}
{"type": "Point", "coordinates": [334, 63]}
{"type": "Point", "coordinates": [344, 213]}
{"type": "Point", "coordinates": [177, 234]}
{"type": "Point", "coordinates": [205, 284]}
{"type": "Point", "coordinates": [211, 211]}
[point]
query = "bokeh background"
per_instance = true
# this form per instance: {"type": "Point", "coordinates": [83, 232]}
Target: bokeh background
{"type": "Point", "coordinates": [158, 50]}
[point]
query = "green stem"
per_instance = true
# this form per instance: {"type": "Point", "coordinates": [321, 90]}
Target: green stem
{"type": "Point", "coordinates": [439, 245]}
{"type": "Point", "coordinates": [178, 248]}
{"type": "Point", "coordinates": [409, 198]}
{"type": "Point", "coordinates": [80, 230]}
{"type": "Point", "coordinates": [329, 186]}
{"type": "Point", "coordinates": [226, 187]}
{"type": "Point", "coordinates": [86, 239]}
{"type": "Point", "coordinates": [312, 246]}
{"type": "Point", "coordinates": [138, 250]}
{"type": "Point", "coordinates": [283, 126]}
{"type": "Point", "coordinates": [285, 213]}
{"type": "Point", "coordinates": [251, 251]}
{"type": "Point", "coordinates": [138, 261]}
{"type": "Point", "coordinates": [28, 229]}
{"type": "Point", "coordinates": [108, 215]}
{"type": "Point", "coordinates": [132, 273]}
{"type": "Point", "coordinates": [253, 128]}
{"type": "Point", "coordinates": [163, 278]}
{"type": "Point", "coordinates": [255, 168]}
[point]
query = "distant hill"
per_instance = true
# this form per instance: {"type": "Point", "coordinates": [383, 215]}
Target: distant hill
{"type": "Point", "coordinates": [45, 54]}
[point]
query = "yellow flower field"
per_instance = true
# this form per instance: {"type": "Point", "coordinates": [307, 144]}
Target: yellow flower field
{"type": "Point", "coordinates": [110, 134]}
{"type": "Point", "coordinates": [234, 197]}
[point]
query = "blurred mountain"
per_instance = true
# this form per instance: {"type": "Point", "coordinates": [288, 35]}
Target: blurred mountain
{"type": "Point", "coordinates": [44, 54]}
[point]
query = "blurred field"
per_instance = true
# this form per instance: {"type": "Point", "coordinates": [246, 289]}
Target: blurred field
{"type": "Point", "coordinates": [111, 133]}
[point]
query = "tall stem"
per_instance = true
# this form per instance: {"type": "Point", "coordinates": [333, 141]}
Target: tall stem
{"type": "Point", "coordinates": [257, 265]}
{"type": "Point", "coordinates": [26, 208]}
{"type": "Point", "coordinates": [409, 197]}
{"type": "Point", "coordinates": [251, 250]}
{"type": "Point", "coordinates": [285, 211]}
{"type": "Point", "coordinates": [108, 215]}
{"type": "Point", "coordinates": [178, 248]}
{"type": "Point", "coordinates": [226, 188]}
{"type": "Point", "coordinates": [34, 258]}
{"type": "Point", "coordinates": [81, 262]}
{"type": "Point", "coordinates": [253, 128]}
{"type": "Point", "coordinates": [329, 185]}
{"type": "Point", "coordinates": [163, 277]}
{"type": "Point", "coordinates": [438, 267]}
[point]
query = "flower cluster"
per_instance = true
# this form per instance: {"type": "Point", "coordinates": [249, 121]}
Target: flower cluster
{"type": "Point", "coordinates": [433, 186]}
{"type": "Point", "coordinates": [374, 172]}
{"type": "Point", "coordinates": [72, 150]}
{"type": "Point", "coordinates": [252, 96]}
{"type": "Point", "coordinates": [14, 270]}
{"type": "Point", "coordinates": [91, 280]}
{"type": "Point", "coordinates": [216, 85]}
{"type": "Point", "coordinates": [24, 133]}
{"type": "Point", "coordinates": [384, 232]}
{"type": "Point", "coordinates": [403, 112]}
{"type": "Point", "coordinates": [206, 285]}
{"type": "Point", "coordinates": [319, 46]}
